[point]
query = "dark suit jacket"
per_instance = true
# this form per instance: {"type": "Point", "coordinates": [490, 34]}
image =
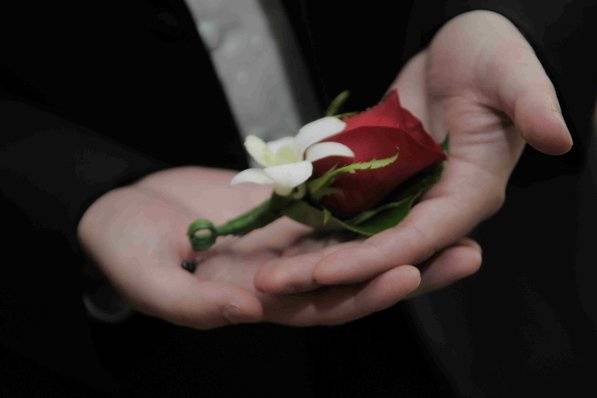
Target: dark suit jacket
{"type": "Point", "coordinates": [94, 95]}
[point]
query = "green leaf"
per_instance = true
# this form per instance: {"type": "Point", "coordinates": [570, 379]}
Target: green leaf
{"type": "Point", "coordinates": [372, 221]}
{"type": "Point", "coordinates": [316, 187]}
{"type": "Point", "coordinates": [327, 216]}
{"type": "Point", "coordinates": [370, 214]}
{"type": "Point", "coordinates": [384, 217]}
{"type": "Point", "coordinates": [325, 191]}
{"type": "Point", "coordinates": [344, 115]}
{"type": "Point", "coordinates": [337, 103]}
{"type": "Point", "coordinates": [420, 183]}
{"type": "Point", "coordinates": [323, 220]}
{"type": "Point", "coordinates": [318, 219]}
{"type": "Point", "coordinates": [391, 214]}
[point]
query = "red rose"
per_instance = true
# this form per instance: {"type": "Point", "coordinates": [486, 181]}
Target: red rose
{"type": "Point", "coordinates": [378, 133]}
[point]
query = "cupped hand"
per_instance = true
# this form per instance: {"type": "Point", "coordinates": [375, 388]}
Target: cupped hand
{"type": "Point", "coordinates": [137, 236]}
{"type": "Point", "coordinates": [480, 82]}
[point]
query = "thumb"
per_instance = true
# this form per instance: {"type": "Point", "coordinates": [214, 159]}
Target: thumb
{"type": "Point", "coordinates": [526, 94]}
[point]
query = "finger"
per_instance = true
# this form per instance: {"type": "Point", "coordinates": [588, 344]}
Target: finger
{"type": "Point", "coordinates": [523, 90]}
{"type": "Point", "coordinates": [411, 84]}
{"type": "Point", "coordinates": [277, 237]}
{"type": "Point", "coordinates": [180, 298]}
{"type": "Point", "coordinates": [293, 274]}
{"type": "Point", "coordinates": [342, 304]}
{"type": "Point", "coordinates": [465, 196]}
{"type": "Point", "coordinates": [288, 274]}
{"type": "Point", "coordinates": [451, 265]}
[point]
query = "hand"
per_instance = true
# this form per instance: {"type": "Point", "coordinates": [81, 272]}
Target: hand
{"type": "Point", "coordinates": [480, 81]}
{"type": "Point", "coordinates": [137, 236]}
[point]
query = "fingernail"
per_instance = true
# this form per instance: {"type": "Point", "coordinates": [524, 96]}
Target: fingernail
{"type": "Point", "coordinates": [324, 271]}
{"type": "Point", "coordinates": [232, 313]}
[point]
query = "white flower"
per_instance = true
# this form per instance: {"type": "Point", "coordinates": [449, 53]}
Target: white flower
{"type": "Point", "coordinates": [287, 162]}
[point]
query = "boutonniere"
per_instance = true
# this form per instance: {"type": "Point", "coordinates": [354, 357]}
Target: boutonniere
{"type": "Point", "coordinates": [358, 172]}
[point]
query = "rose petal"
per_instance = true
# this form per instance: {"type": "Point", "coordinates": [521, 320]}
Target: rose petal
{"type": "Point", "coordinates": [324, 149]}
{"type": "Point", "coordinates": [415, 129]}
{"type": "Point", "coordinates": [318, 130]}
{"type": "Point", "coordinates": [289, 175]}
{"type": "Point", "coordinates": [366, 188]}
{"type": "Point", "coordinates": [259, 150]}
{"type": "Point", "coordinates": [256, 176]}
{"type": "Point", "coordinates": [388, 113]}
{"type": "Point", "coordinates": [377, 133]}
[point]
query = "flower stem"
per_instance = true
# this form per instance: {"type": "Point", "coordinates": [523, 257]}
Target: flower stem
{"type": "Point", "coordinates": [203, 233]}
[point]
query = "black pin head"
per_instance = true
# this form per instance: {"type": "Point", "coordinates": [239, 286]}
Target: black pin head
{"type": "Point", "coordinates": [189, 265]}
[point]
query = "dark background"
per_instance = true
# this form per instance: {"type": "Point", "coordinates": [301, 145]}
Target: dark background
{"type": "Point", "coordinates": [99, 83]}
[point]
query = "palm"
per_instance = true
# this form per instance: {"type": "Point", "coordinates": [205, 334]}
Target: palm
{"type": "Point", "coordinates": [233, 260]}
{"type": "Point", "coordinates": [442, 86]}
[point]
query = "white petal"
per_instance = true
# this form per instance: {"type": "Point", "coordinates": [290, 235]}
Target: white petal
{"type": "Point", "coordinates": [283, 191]}
{"type": "Point", "coordinates": [259, 150]}
{"type": "Point", "coordinates": [256, 176]}
{"type": "Point", "coordinates": [324, 149]}
{"type": "Point", "coordinates": [285, 151]}
{"type": "Point", "coordinates": [318, 130]}
{"type": "Point", "coordinates": [289, 175]}
{"type": "Point", "coordinates": [280, 142]}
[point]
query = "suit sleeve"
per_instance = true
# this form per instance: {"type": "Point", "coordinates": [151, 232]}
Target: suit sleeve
{"type": "Point", "coordinates": [51, 170]}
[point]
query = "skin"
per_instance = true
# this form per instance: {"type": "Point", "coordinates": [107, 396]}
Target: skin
{"type": "Point", "coordinates": [136, 235]}
{"type": "Point", "coordinates": [478, 79]}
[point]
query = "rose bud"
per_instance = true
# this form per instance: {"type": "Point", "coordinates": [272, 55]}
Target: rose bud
{"type": "Point", "coordinates": [377, 133]}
